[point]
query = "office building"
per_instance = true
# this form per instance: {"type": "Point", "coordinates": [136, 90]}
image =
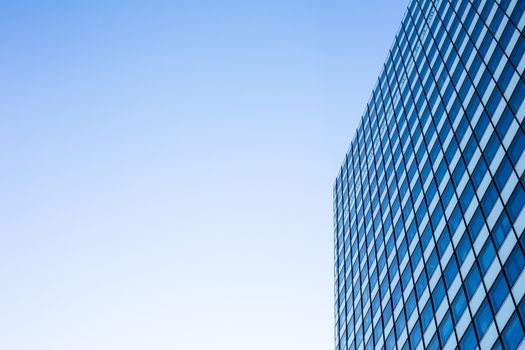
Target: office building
{"type": "Point", "coordinates": [428, 203]}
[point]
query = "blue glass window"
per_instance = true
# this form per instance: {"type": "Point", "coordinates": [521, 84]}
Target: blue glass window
{"type": "Point", "coordinates": [445, 328]}
{"type": "Point", "coordinates": [493, 101]}
{"type": "Point", "coordinates": [481, 125]}
{"type": "Point", "coordinates": [486, 256]}
{"type": "Point", "coordinates": [369, 344]}
{"type": "Point", "coordinates": [411, 303]}
{"type": "Point", "coordinates": [438, 293]}
{"type": "Point", "coordinates": [416, 255]}
{"type": "Point", "coordinates": [434, 343]}
{"type": "Point", "coordinates": [451, 150]}
{"type": "Point", "coordinates": [426, 235]}
{"type": "Point", "coordinates": [390, 340]}
{"type": "Point", "coordinates": [458, 305]}
{"type": "Point", "coordinates": [491, 147]}
{"type": "Point", "coordinates": [518, 96]}
{"type": "Point", "coordinates": [359, 336]}
{"type": "Point", "coordinates": [503, 173]}
{"type": "Point", "coordinates": [443, 242]}
{"type": "Point", "coordinates": [367, 319]}
{"type": "Point", "coordinates": [378, 331]}
{"type": "Point", "coordinates": [472, 281]}
{"type": "Point", "coordinates": [501, 229]}
{"type": "Point", "coordinates": [514, 265]}
{"type": "Point", "coordinates": [498, 292]}
{"type": "Point", "coordinates": [387, 312]}
{"type": "Point", "coordinates": [447, 193]}
{"type": "Point", "coordinates": [468, 341]}
{"type": "Point", "coordinates": [451, 271]}
{"type": "Point", "coordinates": [427, 314]}
{"type": "Point", "coordinates": [432, 262]}
{"type": "Point", "coordinates": [396, 294]}
{"type": "Point", "coordinates": [484, 82]}
{"type": "Point", "coordinates": [517, 146]}
{"type": "Point", "coordinates": [521, 308]}
{"type": "Point", "coordinates": [513, 333]}
{"type": "Point", "coordinates": [466, 196]}
{"type": "Point", "coordinates": [394, 266]}
{"type": "Point", "coordinates": [490, 197]}
{"type": "Point", "coordinates": [471, 147]}
{"type": "Point", "coordinates": [384, 285]}
{"type": "Point", "coordinates": [496, 20]}
{"type": "Point", "coordinates": [479, 172]}
{"type": "Point", "coordinates": [415, 335]}
{"type": "Point", "coordinates": [483, 318]}
{"type": "Point", "coordinates": [497, 345]}
{"type": "Point", "coordinates": [437, 215]}
{"type": "Point", "coordinates": [515, 203]}
{"type": "Point", "coordinates": [473, 104]}
{"type": "Point", "coordinates": [505, 76]}
{"type": "Point", "coordinates": [504, 122]}
{"type": "Point", "coordinates": [463, 248]}
{"type": "Point", "coordinates": [455, 219]}
{"type": "Point", "coordinates": [476, 223]}
{"type": "Point", "coordinates": [425, 171]}
{"type": "Point", "coordinates": [400, 323]}
{"type": "Point", "coordinates": [421, 284]}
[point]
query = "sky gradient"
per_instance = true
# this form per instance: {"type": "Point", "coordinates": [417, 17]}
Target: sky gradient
{"type": "Point", "coordinates": [168, 168]}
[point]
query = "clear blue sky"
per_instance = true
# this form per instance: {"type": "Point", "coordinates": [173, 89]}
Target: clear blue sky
{"type": "Point", "coordinates": [167, 168]}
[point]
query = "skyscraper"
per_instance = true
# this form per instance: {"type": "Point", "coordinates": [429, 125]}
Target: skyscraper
{"type": "Point", "coordinates": [428, 203]}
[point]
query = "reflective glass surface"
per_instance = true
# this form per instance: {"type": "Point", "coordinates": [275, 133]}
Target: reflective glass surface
{"type": "Point", "coordinates": [428, 203]}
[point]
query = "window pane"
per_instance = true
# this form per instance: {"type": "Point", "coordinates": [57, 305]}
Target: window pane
{"type": "Point", "coordinates": [472, 281]}
{"type": "Point", "coordinates": [513, 333]}
{"type": "Point", "coordinates": [483, 318]}
{"type": "Point", "coordinates": [445, 328]}
{"type": "Point", "coordinates": [468, 342]}
{"type": "Point", "coordinates": [486, 256]}
{"type": "Point", "coordinates": [498, 292]}
{"type": "Point", "coordinates": [514, 265]}
{"type": "Point", "coordinates": [458, 305]}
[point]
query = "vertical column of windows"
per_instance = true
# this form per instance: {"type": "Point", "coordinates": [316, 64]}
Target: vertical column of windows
{"type": "Point", "coordinates": [393, 199]}
{"type": "Point", "coordinates": [444, 328]}
{"type": "Point", "coordinates": [500, 261]}
{"type": "Point", "coordinates": [384, 212]}
{"type": "Point", "coordinates": [424, 276]}
{"type": "Point", "coordinates": [375, 298]}
{"type": "Point", "coordinates": [410, 231]}
{"type": "Point", "coordinates": [406, 96]}
{"type": "Point", "coordinates": [453, 222]}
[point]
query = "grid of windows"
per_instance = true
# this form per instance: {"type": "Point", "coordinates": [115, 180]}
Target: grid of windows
{"type": "Point", "coordinates": [428, 204]}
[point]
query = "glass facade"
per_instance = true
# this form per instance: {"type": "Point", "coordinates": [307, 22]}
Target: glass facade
{"type": "Point", "coordinates": [428, 203]}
